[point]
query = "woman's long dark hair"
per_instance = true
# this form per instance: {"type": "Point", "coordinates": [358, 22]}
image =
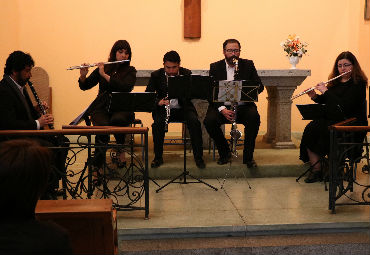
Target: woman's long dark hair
{"type": "Point", "coordinates": [118, 45]}
{"type": "Point", "coordinates": [357, 75]}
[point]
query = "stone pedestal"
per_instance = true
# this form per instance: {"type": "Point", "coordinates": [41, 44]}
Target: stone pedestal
{"type": "Point", "coordinates": [280, 85]}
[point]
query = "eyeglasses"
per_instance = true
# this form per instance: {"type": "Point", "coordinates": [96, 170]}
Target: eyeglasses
{"type": "Point", "coordinates": [344, 65]}
{"type": "Point", "coordinates": [231, 50]}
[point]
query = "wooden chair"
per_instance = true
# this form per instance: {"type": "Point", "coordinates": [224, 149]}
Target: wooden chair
{"type": "Point", "coordinates": [40, 80]}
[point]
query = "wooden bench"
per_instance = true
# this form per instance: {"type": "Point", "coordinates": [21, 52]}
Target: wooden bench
{"type": "Point", "coordinates": [91, 223]}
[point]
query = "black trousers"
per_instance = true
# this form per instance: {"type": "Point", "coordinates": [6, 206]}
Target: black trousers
{"type": "Point", "coordinates": [190, 115]}
{"type": "Point", "coordinates": [247, 115]}
{"type": "Point", "coordinates": [104, 118]}
{"type": "Point", "coordinates": [59, 146]}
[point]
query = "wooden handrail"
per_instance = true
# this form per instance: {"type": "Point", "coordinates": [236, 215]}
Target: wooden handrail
{"type": "Point", "coordinates": [89, 127]}
{"type": "Point", "coordinates": [352, 128]}
{"type": "Point", "coordinates": [344, 122]}
{"type": "Point", "coordinates": [77, 131]}
{"type": "Point", "coordinates": [342, 126]}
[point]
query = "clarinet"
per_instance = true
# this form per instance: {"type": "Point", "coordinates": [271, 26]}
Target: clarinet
{"type": "Point", "coordinates": [38, 101]}
{"type": "Point", "coordinates": [168, 114]}
{"type": "Point", "coordinates": [235, 134]}
{"type": "Point", "coordinates": [167, 107]}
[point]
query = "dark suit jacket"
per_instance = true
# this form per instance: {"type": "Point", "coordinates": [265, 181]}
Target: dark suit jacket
{"type": "Point", "coordinates": [158, 83]}
{"type": "Point", "coordinates": [247, 71]}
{"type": "Point", "coordinates": [16, 110]}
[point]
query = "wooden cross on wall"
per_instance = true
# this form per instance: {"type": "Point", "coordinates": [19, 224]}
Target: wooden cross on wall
{"type": "Point", "coordinates": [192, 18]}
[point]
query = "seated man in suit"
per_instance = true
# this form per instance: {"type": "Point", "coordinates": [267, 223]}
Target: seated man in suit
{"type": "Point", "coordinates": [247, 113]}
{"type": "Point", "coordinates": [178, 110]}
{"type": "Point", "coordinates": [18, 113]}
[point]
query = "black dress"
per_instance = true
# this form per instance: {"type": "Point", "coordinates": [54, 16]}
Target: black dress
{"type": "Point", "coordinates": [122, 79]}
{"type": "Point", "coordinates": [343, 100]}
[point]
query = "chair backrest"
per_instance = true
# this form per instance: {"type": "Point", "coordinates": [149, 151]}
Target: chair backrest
{"type": "Point", "coordinates": [40, 80]}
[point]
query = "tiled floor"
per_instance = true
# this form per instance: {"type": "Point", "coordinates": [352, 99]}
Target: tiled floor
{"type": "Point", "coordinates": [270, 204]}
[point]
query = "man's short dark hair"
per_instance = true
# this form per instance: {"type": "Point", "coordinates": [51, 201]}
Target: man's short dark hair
{"type": "Point", "coordinates": [172, 56]}
{"type": "Point", "coordinates": [17, 61]}
{"type": "Point", "coordinates": [230, 41]}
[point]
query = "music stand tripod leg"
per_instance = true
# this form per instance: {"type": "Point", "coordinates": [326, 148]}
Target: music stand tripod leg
{"type": "Point", "coordinates": [185, 173]}
{"type": "Point", "coordinates": [309, 169]}
{"type": "Point", "coordinates": [132, 163]}
{"type": "Point", "coordinates": [199, 180]}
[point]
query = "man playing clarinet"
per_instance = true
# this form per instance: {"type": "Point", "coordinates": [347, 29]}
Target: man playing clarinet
{"type": "Point", "coordinates": [18, 113]}
{"type": "Point", "coordinates": [158, 83]}
{"type": "Point", "coordinates": [247, 113]}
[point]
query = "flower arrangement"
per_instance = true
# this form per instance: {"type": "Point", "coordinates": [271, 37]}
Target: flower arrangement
{"type": "Point", "coordinates": [293, 46]}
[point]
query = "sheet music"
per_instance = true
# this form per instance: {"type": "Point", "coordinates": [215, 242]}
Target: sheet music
{"type": "Point", "coordinates": [229, 91]}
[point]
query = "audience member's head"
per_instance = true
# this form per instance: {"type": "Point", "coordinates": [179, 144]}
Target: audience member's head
{"type": "Point", "coordinates": [24, 172]}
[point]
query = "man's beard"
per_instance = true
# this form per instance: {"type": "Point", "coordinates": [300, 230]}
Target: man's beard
{"type": "Point", "coordinates": [22, 82]}
{"type": "Point", "coordinates": [230, 60]}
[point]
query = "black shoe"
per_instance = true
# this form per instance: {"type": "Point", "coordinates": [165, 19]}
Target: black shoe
{"type": "Point", "coordinates": [156, 163]}
{"type": "Point", "coordinates": [314, 176]}
{"type": "Point", "coordinates": [251, 164]}
{"type": "Point", "coordinates": [223, 161]}
{"type": "Point", "coordinates": [200, 163]}
{"type": "Point", "coordinates": [60, 192]}
{"type": "Point", "coordinates": [122, 164]}
{"type": "Point", "coordinates": [97, 180]}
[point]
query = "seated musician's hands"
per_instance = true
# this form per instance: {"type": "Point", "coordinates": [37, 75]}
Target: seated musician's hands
{"type": "Point", "coordinates": [312, 94]}
{"type": "Point", "coordinates": [44, 105]}
{"type": "Point", "coordinates": [228, 114]}
{"type": "Point", "coordinates": [321, 87]}
{"type": "Point", "coordinates": [163, 102]}
{"type": "Point", "coordinates": [102, 72]}
{"type": "Point", "coordinates": [46, 119]}
{"type": "Point", "coordinates": [101, 68]}
{"type": "Point", "coordinates": [84, 71]}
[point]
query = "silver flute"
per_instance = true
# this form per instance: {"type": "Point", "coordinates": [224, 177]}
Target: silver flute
{"type": "Point", "coordinates": [105, 63]}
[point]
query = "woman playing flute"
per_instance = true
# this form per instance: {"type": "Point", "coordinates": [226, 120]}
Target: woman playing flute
{"type": "Point", "coordinates": [344, 98]}
{"type": "Point", "coordinates": [119, 77]}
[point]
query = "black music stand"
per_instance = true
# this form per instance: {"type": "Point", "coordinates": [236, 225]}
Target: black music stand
{"type": "Point", "coordinates": [312, 112]}
{"type": "Point", "coordinates": [233, 93]}
{"type": "Point", "coordinates": [132, 102]}
{"type": "Point", "coordinates": [119, 101]}
{"type": "Point", "coordinates": [187, 87]}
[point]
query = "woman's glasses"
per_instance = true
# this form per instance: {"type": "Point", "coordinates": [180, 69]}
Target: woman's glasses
{"type": "Point", "coordinates": [344, 65]}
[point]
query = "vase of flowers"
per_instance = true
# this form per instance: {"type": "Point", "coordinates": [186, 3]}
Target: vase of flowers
{"type": "Point", "coordinates": [294, 60]}
{"type": "Point", "coordinates": [294, 48]}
